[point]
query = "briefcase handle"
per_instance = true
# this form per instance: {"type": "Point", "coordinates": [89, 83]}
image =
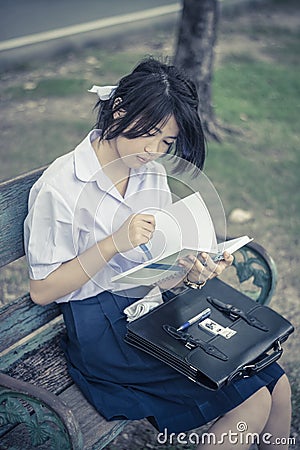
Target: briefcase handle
{"type": "Point", "coordinates": [250, 369]}
{"type": "Point", "coordinates": [269, 359]}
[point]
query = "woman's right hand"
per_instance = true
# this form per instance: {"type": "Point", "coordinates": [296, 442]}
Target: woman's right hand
{"type": "Point", "coordinates": [136, 230]}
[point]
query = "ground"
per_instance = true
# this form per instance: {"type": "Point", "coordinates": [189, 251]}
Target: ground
{"type": "Point", "coordinates": [232, 41]}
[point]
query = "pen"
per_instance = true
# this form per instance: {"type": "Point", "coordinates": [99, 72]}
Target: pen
{"type": "Point", "coordinates": [201, 316]}
{"type": "Point", "coordinates": [146, 251]}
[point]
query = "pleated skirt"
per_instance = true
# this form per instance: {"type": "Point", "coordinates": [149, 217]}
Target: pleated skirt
{"type": "Point", "coordinates": [121, 381]}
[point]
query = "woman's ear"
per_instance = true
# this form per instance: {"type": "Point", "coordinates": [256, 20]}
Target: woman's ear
{"type": "Point", "coordinates": [120, 112]}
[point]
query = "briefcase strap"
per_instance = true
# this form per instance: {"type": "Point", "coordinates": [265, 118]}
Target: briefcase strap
{"type": "Point", "coordinates": [233, 312]}
{"type": "Point", "coordinates": [190, 342]}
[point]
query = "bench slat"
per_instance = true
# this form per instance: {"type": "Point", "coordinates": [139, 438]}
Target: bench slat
{"type": "Point", "coordinates": [19, 318]}
{"type": "Point", "coordinates": [46, 368]}
{"type": "Point", "coordinates": [94, 428]}
{"type": "Point", "coordinates": [13, 210]}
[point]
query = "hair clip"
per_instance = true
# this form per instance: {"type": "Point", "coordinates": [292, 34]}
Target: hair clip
{"type": "Point", "coordinates": [103, 92]}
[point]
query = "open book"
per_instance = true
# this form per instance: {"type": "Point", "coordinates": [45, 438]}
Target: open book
{"type": "Point", "coordinates": [182, 228]}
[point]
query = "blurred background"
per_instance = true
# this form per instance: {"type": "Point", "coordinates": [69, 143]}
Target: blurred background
{"type": "Point", "coordinates": [52, 52]}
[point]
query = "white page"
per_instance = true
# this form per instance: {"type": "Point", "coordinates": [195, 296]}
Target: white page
{"type": "Point", "coordinates": [185, 224]}
{"type": "Point", "coordinates": [182, 226]}
{"type": "Point", "coordinates": [167, 237]}
{"type": "Point", "coordinates": [196, 224]}
{"type": "Point", "coordinates": [233, 245]}
{"type": "Point", "coordinates": [142, 275]}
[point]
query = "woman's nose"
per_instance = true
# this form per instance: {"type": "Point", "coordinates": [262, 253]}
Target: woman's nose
{"type": "Point", "coordinates": [151, 147]}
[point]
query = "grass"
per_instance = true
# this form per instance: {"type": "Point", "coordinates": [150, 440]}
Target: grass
{"type": "Point", "coordinates": [33, 155]}
{"type": "Point", "coordinates": [259, 89]}
{"type": "Point", "coordinates": [264, 162]}
{"type": "Point", "coordinates": [51, 87]}
{"type": "Point", "coordinates": [264, 94]}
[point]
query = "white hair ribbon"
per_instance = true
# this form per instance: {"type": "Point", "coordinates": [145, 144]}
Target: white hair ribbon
{"type": "Point", "coordinates": [103, 92]}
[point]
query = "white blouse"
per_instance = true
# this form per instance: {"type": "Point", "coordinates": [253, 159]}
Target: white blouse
{"type": "Point", "coordinates": [74, 204]}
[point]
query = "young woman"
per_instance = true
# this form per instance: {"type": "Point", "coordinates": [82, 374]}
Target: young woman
{"type": "Point", "coordinates": [86, 222]}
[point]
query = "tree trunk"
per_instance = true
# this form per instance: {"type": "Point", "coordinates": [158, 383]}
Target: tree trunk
{"type": "Point", "coordinates": [195, 54]}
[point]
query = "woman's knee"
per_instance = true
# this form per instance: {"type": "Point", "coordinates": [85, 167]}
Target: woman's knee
{"type": "Point", "coordinates": [260, 403]}
{"type": "Point", "coordinates": [254, 411]}
{"type": "Point", "coordinates": [281, 393]}
{"type": "Point", "coordinates": [258, 408]}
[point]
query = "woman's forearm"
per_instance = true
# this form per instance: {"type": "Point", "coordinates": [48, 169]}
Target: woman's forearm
{"type": "Point", "coordinates": [73, 274]}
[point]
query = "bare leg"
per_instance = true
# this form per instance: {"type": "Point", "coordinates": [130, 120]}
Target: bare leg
{"type": "Point", "coordinates": [279, 422]}
{"type": "Point", "coordinates": [254, 412]}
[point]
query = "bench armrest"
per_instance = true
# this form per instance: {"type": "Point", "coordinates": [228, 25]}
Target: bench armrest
{"type": "Point", "coordinates": [45, 416]}
{"type": "Point", "coordinates": [253, 263]}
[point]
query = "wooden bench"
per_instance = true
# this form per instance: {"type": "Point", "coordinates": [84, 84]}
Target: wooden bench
{"type": "Point", "coordinates": [40, 407]}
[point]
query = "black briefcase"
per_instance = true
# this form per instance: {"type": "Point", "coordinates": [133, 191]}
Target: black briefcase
{"type": "Point", "coordinates": [239, 337]}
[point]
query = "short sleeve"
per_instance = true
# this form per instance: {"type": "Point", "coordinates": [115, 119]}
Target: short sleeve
{"type": "Point", "coordinates": [48, 232]}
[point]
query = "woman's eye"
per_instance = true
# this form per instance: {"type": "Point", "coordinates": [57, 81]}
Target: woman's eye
{"type": "Point", "coordinates": [168, 143]}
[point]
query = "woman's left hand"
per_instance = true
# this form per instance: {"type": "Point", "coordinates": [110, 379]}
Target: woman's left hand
{"type": "Point", "coordinates": [202, 268]}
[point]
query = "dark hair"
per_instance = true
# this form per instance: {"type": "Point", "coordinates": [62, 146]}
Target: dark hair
{"type": "Point", "coordinates": [150, 94]}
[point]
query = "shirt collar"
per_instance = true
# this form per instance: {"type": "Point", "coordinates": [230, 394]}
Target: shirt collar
{"type": "Point", "coordinates": [88, 169]}
{"type": "Point", "coordinates": [86, 163]}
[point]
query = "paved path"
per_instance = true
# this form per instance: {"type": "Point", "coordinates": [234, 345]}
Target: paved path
{"type": "Point", "coordinates": [21, 18]}
{"type": "Point", "coordinates": [37, 29]}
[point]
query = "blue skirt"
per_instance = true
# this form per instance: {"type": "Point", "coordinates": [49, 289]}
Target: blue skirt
{"type": "Point", "coordinates": [124, 382]}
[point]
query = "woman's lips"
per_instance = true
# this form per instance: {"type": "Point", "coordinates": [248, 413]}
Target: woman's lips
{"type": "Point", "coordinates": [143, 160]}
